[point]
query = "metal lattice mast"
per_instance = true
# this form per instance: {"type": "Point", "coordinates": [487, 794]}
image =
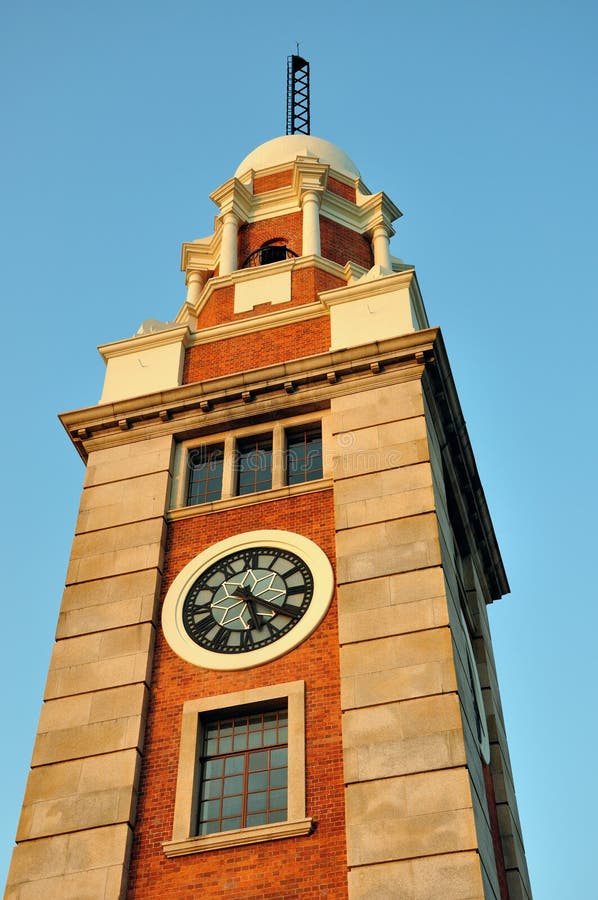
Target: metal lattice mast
{"type": "Point", "coordinates": [298, 121]}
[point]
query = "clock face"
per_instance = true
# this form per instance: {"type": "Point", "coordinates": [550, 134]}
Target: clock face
{"type": "Point", "coordinates": [247, 600]}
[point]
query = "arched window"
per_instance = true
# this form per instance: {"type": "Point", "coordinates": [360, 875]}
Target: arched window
{"type": "Point", "coordinates": [274, 250]}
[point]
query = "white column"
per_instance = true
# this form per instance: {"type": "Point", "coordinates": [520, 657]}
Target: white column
{"type": "Point", "coordinates": [278, 456]}
{"type": "Point", "coordinates": [310, 201]}
{"type": "Point", "coordinates": [229, 469]}
{"type": "Point", "coordinates": [228, 247]}
{"type": "Point", "coordinates": [381, 245]}
{"type": "Point", "coordinates": [195, 282]}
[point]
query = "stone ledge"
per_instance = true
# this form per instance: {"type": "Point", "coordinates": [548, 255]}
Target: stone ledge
{"type": "Point", "coordinates": [239, 837]}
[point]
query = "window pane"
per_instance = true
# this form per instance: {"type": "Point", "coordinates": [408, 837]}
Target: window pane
{"type": "Point", "coordinates": [210, 809]}
{"type": "Point", "coordinates": [258, 819]}
{"type": "Point", "coordinates": [232, 806]}
{"type": "Point", "coordinates": [205, 474]}
{"type": "Point", "coordinates": [255, 740]}
{"type": "Point", "coordinates": [234, 765]}
{"type": "Point", "coordinates": [257, 802]}
{"type": "Point", "coordinates": [240, 741]}
{"type": "Point", "coordinates": [257, 781]}
{"type": "Point", "coordinates": [213, 768]}
{"type": "Point", "coordinates": [278, 778]}
{"type": "Point", "coordinates": [209, 827]}
{"type": "Point", "coordinates": [278, 799]}
{"type": "Point", "coordinates": [233, 785]}
{"type": "Point", "coordinates": [304, 455]}
{"type": "Point", "coordinates": [212, 789]}
{"type": "Point", "coordinates": [254, 465]}
{"type": "Point", "coordinates": [258, 761]}
{"type": "Point", "coordinates": [278, 758]}
{"type": "Point", "coordinates": [278, 815]}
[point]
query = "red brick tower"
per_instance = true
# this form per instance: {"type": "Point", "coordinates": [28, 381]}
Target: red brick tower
{"type": "Point", "coordinates": [273, 674]}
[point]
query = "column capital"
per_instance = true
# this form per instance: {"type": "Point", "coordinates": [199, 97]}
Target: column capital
{"type": "Point", "coordinates": [310, 176]}
{"type": "Point", "coordinates": [233, 197]}
{"type": "Point", "coordinates": [378, 210]}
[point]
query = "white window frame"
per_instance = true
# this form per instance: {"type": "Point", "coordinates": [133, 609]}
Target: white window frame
{"type": "Point", "coordinates": [229, 439]}
{"type": "Point", "coordinates": [297, 823]}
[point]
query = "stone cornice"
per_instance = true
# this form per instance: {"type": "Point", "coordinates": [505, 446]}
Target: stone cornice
{"type": "Point", "coordinates": [378, 209]}
{"type": "Point", "coordinates": [308, 381]}
{"type": "Point", "coordinates": [363, 288]}
{"type": "Point", "coordinates": [462, 471]}
{"type": "Point", "coordinates": [199, 254]}
{"type": "Point", "coordinates": [306, 385]}
{"type": "Point", "coordinates": [233, 196]}
{"type": "Point", "coordinates": [171, 335]}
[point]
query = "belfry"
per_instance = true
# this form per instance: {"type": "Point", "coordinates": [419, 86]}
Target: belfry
{"type": "Point", "coordinates": [273, 671]}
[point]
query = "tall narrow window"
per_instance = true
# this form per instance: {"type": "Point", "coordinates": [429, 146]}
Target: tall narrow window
{"type": "Point", "coordinates": [254, 464]}
{"type": "Point", "coordinates": [205, 474]}
{"type": "Point", "coordinates": [243, 771]}
{"type": "Point", "coordinates": [304, 454]}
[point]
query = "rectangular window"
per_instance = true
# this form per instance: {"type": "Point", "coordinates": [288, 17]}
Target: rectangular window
{"type": "Point", "coordinates": [205, 474]}
{"type": "Point", "coordinates": [241, 772]}
{"type": "Point", "coordinates": [247, 462]}
{"type": "Point", "coordinates": [254, 464]}
{"type": "Point", "coordinates": [243, 765]}
{"type": "Point", "coordinates": [304, 454]}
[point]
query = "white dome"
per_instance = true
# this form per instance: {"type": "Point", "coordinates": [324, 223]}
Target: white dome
{"type": "Point", "coordinates": [286, 148]}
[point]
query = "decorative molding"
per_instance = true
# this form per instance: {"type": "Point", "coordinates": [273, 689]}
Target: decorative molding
{"type": "Point", "coordinates": [364, 288]}
{"type": "Point", "coordinates": [175, 334]}
{"type": "Point", "coordinates": [216, 506]}
{"type": "Point", "coordinates": [239, 837]}
{"type": "Point", "coordinates": [222, 397]}
{"type": "Point", "coordinates": [255, 273]}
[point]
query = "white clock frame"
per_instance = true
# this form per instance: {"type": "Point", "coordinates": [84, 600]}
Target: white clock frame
{"type": "Point", "coordinates": [172, 619]}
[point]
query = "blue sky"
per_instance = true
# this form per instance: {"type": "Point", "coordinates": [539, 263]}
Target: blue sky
{"type": "Point", "coordinates": [479, 121]}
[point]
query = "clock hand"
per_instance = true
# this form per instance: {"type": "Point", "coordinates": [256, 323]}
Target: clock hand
{"type": "Point", "coordinates": [244, 594]}
{"type": "Point", "coordinates": [286, 610]}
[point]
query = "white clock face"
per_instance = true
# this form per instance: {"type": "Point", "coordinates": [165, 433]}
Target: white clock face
{"type": "Point", "coordinates": [247, 600]}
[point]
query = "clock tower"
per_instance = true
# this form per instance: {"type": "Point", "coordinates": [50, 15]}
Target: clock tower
{"type": "Point", "coordinates": [273, 671]}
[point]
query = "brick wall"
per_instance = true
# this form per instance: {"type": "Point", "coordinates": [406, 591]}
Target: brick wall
{"type": "Point", "coordinates": [342, 245]}
{"type": "Point", "coordinates": [342, 189]}
{"type": "Point", "coordinates": [304, 867]}
{"type": "Point", "coordinates": [264, 183]}
{"type": "Point", "coordinates": [262, 348]}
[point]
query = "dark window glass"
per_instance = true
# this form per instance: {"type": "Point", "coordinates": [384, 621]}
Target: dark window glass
{"type": "Point", "coordinates": [254, 465]}
{"type": "Point", "coordinates": [246, 786]}
{"type": "Point", "coordinates": [205, 474]}
{"type": "Point", "coordinates": [304, 454]}
{"type": "Point", "coordinates": [272, 254]}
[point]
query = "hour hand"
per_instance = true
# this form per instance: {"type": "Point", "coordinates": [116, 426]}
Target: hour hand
{"type": "Point", "coordinates": [289, 611]}
{"type": "Point", "coordinates": [243, 593]}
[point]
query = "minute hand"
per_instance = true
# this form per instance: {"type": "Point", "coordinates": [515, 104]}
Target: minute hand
{"type": "Point", "coordinates": [289, 611]}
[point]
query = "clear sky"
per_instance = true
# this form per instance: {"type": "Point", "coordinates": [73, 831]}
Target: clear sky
{"type": "Point", "coordinates": [479, 120]}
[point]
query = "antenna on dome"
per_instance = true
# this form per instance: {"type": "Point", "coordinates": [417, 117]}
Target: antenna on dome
{"type": "Point", "coordinates": [297, 94]}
